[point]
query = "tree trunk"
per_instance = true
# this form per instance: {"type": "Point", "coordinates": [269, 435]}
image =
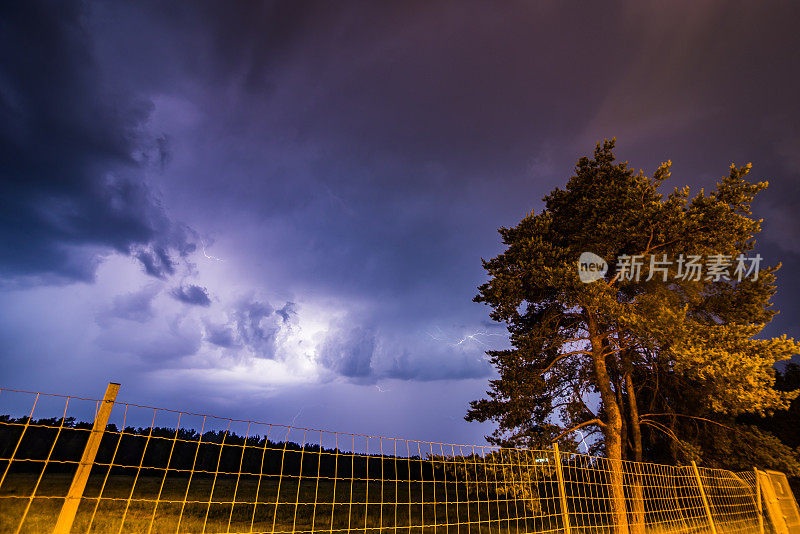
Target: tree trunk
{"type": "Point", "coordinates": [636, 429]}
{"type": "Point", "coordinates": [612, 431]}
{"type": "Point", "coordinates": [637, 495]}
{"type": "Point", "coordinates": [615, 374]}
{"type": "Point", "coordinates": [624, 430]}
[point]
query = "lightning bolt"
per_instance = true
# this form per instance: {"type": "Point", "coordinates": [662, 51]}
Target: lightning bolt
{"type": "Point", "coordinates": [296, 416]}
{"type": "Point", "coordinates": [583, 441]}
{"type": "Point", "coordinates": [473, 337]}
{"type": "Point", "coordinates": [381, 389]}
{"type": "Point", "coordinates": [203, 245]}
{"type": "Point", "coordinates": [437, 336]}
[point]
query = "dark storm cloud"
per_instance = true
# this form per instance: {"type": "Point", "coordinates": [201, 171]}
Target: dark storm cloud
{"type": "Point", "coordinates": [72, 154]}
{"type": "Point", "coordinates": [170, 347]}
{"type": "Point", "coordinates": [135, 306]}
{"type": "Point", "coordinates": [375, 147]}
{"type": "Point", "coordinates": [192, 294]}
{"type": "Point", "coordinates": [253, 325]}
{"type": "Point", "coordinates": [389, 131]}
{"type": "Point", "coordinates": [439, 365]}
{"type": "Point", "coordinates": [220, 335]}
{"type": "Point", "coordinates": [425, 80]}
{"type": "Point", "coordinates": [349, 352]}
{"type": "Point", "coordinates": [167, 339]}
{"type": "Point", "coordinates": [156, 262]}
{"type": "Point", "coordinates": [287, 311]}
{"type": "Point", "coordinates": [364, 355]}
{"type": "Point", "coordinates": [256, 327]}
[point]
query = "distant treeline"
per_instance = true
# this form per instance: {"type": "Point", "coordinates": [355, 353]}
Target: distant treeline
{"type": "Point", "coordinates": [186, 450]}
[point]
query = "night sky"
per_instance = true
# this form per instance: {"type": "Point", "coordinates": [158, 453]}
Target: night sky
{"type": "Point", "coordinates": [278, 211]}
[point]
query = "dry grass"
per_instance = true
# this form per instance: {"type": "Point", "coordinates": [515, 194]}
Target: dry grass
{"type": "Point", "coordinates": [121, 511]}
{"type": "Point", "coordinates": [198, 515]}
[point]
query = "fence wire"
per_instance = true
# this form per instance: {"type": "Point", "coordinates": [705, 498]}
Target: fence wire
{"type": "Point", "coordinates": [168, 471]}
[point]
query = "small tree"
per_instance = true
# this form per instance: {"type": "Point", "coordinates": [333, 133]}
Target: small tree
{"type": "Point", "coordinates": [571, 340]}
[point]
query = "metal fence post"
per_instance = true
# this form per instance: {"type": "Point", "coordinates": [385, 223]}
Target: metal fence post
{"type": "Point", "coordinates": [70, 507]}
{"type": "Point", "coordinates": [758, 502]}
{"type": "Point", "coordinates": [561, 489]}
{"type": "Point", "coordinates": [704, 498]}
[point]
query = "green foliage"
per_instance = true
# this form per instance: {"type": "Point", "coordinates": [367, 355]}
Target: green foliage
{"type": "Point", "coordinates": [745, 446]}
{"type": "Point", "coordinates": [784, 424]}
{"type": "Point", "coordinates": [504, 474]}
{"type": "Point", "coordinates": [734, 367]}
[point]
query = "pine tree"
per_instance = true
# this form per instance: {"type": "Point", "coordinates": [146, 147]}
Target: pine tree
{"type": "Point", "coordinates": [616, 337]}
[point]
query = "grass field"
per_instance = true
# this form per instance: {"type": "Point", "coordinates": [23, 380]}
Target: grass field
{"type": "Point", "coordinates": [295, 511]}
{"type": "Point", "coordinates": [179, 511]}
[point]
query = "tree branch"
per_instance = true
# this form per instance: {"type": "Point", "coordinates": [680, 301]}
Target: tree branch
{"type": "Point", "coordinates": [560, 357]}
{"type": "Point", "coordinates": [689, 416]}
{"type": "Point", "coordinates": [576, 427]}
{"type": "Point", "coordinates": [663, 429]}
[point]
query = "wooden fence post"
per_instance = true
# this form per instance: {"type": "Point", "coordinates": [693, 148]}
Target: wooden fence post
{"type": "Point", "coordinates": [704, 498]}
{"type": "Point", "coordinates": [561, 489]}
{"type": "Point", "coordinates": [759, 506]}
{"type": "Point", "coordinates": [75, 493]}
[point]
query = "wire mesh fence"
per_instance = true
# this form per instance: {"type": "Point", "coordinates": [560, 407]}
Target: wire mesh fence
{"type": "Point", "coordinates": [156, 470]}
